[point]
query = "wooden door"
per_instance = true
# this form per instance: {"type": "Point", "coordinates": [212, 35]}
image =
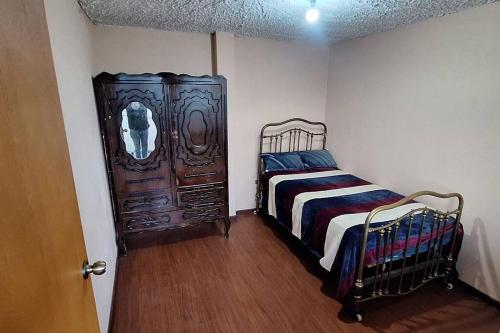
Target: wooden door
{"type": "Point", "coordinates": [198, 112]}
{"type": "Point", "coordinates": [41, 242]}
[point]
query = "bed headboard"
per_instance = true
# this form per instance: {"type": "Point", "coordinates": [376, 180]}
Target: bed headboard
{"type": "Point", "coordinates": [292, 135]}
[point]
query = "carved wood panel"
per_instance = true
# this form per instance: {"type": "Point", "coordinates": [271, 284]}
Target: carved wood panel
{"type": "Point", "coordinates": [199, 130]}
{"type": "Point", "coordinates": [151, 97]}
{"type": "Point", "coordinates": [148, 221]}
{"type": "Point", "coordinates": [147, 202]}
{"type": "Point", "coordinates": [202, 197]}
{"type": "Point", "coordinates": [204, 214]}
{"type": "Point", "coordinates": [131, 175]}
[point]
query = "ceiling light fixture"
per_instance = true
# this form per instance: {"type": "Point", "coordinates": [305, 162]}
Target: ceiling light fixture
{"type": "Point", "coordinates": [312, 14]}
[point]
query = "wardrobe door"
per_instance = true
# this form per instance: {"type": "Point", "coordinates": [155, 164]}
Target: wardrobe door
{"type": "Point", "coordinates": [133, 119]}
{"type": "Point", "coordinates": [199, 130]}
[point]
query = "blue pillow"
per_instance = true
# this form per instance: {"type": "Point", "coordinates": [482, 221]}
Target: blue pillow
{"type": "Point", "coordinates": [282, 161]}
{"type": "Point", "coordinates": [317, 159]}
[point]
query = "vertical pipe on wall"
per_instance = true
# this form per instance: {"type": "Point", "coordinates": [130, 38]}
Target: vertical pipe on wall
{"type": "Point", "coordinates": [213, 47]}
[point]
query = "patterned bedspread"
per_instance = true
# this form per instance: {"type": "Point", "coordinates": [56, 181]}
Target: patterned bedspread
{"type": "Point", "coordinates": [327, 209]}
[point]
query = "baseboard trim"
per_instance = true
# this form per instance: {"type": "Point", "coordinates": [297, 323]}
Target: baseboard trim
{"type": "Point", "coordinates": [245, 211]}
{"type": "Point", "coordinates": [479, 294]}
{"type": "Point", "coordinates": [241, 212]}
{"type": "Point", "coordinates": [112, 309]}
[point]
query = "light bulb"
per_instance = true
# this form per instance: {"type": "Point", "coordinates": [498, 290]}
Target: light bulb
{"type": "Point", "coordinates": [312, 15]}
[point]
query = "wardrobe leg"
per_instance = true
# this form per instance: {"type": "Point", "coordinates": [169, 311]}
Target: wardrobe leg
{"type": "Point", "coordinates": [227, 225]}
{"type": "Point", "coordinates": [122, 248]}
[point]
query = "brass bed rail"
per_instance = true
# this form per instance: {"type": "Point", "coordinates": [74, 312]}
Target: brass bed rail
{"type": "Point", "coordinates": [289, 135]}
{"type": "Point", "coordinates": [412, 271]}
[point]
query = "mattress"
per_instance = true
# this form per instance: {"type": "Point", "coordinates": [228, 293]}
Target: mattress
{"type": "Point", "coordinates": [326, 209]}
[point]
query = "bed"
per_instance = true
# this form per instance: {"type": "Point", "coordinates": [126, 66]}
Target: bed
{"type": "Point", "coordinates": [372, 241]}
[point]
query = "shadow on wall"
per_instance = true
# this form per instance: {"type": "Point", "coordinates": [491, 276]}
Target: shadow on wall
{"type": "Point", "coordinates": [482, 273]}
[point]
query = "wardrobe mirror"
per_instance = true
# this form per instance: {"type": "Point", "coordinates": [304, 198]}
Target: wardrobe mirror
{"type": "Point", "coordinates": [138, 130]}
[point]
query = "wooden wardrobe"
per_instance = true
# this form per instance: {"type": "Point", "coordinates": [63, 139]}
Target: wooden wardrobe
{"type": "Point", "coordinates": [165, 143]}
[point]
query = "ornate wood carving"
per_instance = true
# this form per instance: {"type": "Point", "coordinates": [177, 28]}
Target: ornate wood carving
{"type": "Point", "coordinates": [204, 214]}
{"type": "Point", "coordinates": [123, 98]}
{"type": "Point", "coordinates": [144, 180]}
{"type": "Point", "coordinates": [146, 202]}
{"type": "Point", "coordinates": [148, 221]}
{"type": "Point", "coordinates": [195, 113]}
{"type": "Point", "coordinates": [202, 197]}
{"type": "Point", "coordinates": [183, 181]}
{"type": "Point", "coordinates": [204, 174]}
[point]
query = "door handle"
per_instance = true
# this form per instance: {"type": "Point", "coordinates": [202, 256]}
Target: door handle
{"type": "Point", "coordinates": [97, 268]}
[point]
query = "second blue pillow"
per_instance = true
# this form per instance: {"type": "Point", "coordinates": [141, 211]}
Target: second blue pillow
{"type": "Point", "coordinates": [317, 159]}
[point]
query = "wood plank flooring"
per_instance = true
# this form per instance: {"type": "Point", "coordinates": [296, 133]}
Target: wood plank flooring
{"type": "Point", "coordinates": [260, 280]}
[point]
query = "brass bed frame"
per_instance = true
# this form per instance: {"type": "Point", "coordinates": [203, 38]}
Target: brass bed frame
{"type": "Point", "coordinates": [389, 276]}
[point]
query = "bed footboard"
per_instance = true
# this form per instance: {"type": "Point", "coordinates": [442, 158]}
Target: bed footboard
{"type": "Point", "coordinates": [426, 240]}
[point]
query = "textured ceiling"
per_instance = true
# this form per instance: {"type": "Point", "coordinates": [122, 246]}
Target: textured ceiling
{"type": "Point", "coordinates": [275, 19]}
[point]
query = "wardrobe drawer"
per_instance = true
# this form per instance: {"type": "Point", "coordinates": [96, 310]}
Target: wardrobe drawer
{"type": "Point", "coordinates": [198, 197]}
{"type": "Point", "coordinates": [148, 221]}
{"type": "Point", "coordinates": [205, 214]}
{"type": "Point", "coordinates": [146, 202]}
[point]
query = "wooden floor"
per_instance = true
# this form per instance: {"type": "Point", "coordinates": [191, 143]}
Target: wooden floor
{"type": "Point", "coordinates": [260, 281]}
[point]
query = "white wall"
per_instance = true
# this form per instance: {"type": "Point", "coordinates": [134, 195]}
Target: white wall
{"type": "Point", "coordinates": [419, 108]}
{"type": "Point", "coordinates": [71, 41]}
{"type": "Point", "coordinates": [226, 66]}
{"type": "Point", "coordinates": [274, 81]}
{"type": "Point", "coordinates": [267, 81]}
{"type": "Point", "coordinates": [138, 50]}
